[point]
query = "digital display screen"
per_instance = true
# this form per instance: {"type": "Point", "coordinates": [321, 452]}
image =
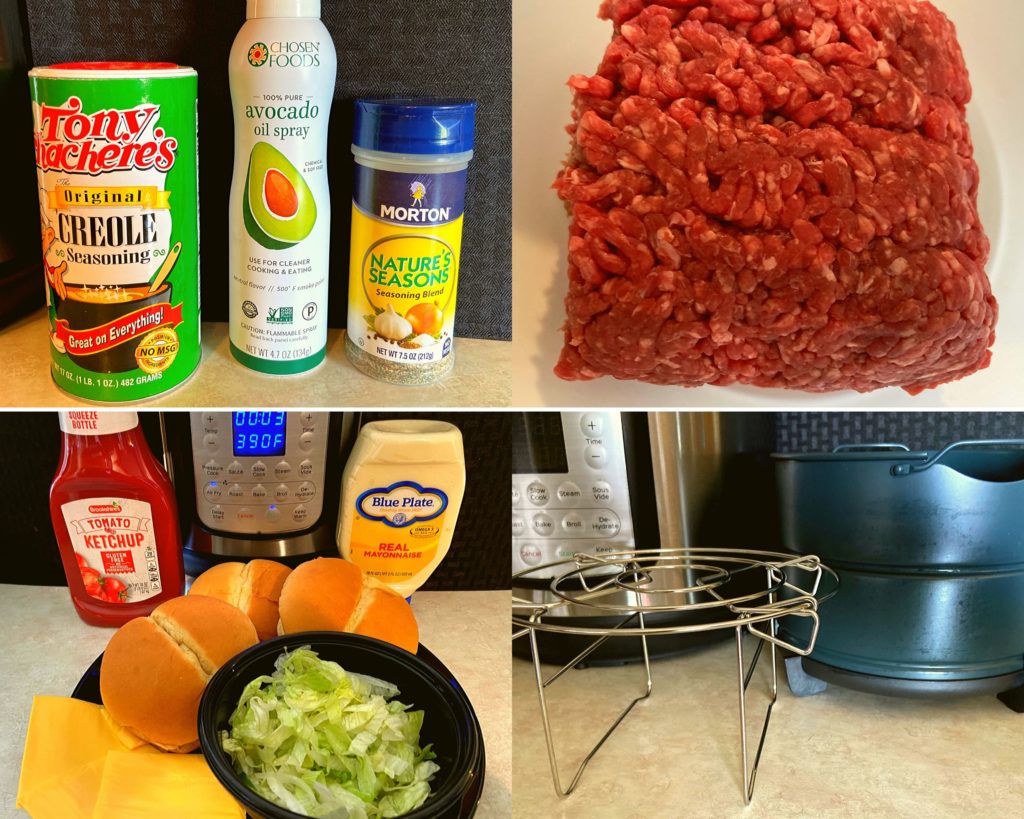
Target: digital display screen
{"type": "Point", "coordinates": [538, 445]}
{"type": "Point", "coordinates": [258, 434]}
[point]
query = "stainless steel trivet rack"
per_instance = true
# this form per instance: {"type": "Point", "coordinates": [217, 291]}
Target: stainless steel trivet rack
{"type": "Point", "coordinates": [709, 580]}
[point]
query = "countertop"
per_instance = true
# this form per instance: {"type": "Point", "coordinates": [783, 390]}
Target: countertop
{"type": "Point", "coordinates": [482, 377]}
{"type": "Point", "coordinates": [838, 754]}
{"type": "Point", "coordinates": [46, 648]}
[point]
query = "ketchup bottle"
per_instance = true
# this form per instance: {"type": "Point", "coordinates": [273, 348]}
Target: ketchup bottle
{"type": "Point", "coordinates": [115, 518]}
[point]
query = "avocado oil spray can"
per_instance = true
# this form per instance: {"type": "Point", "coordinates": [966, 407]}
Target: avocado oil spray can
{"type": "Point", "coordinates": [282, 72]}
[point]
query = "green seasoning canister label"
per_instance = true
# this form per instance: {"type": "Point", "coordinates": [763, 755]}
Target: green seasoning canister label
{"type": "Point", "coordinates": [117, 168]}
{"type": "Point", "coordinates": [406, 239]}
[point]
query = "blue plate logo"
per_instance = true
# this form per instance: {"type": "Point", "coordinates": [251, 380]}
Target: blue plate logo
{"type": "Point", "coordinates": [402, 504]}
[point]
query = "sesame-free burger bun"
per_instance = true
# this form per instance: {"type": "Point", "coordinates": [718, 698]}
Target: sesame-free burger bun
{"type": "Point", "coordinates": [155, 668]}
{"type": "Point", "coordinates": [331, 594]}
{"type": "Point", "coordinates": [253, 587]}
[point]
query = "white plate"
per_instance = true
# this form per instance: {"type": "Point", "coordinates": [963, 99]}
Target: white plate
{"type": "Point", "coordinates": [553, 40]}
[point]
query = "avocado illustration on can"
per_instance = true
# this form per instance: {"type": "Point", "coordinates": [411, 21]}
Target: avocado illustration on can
{"type": "Point", "coordinates": [282, 70]}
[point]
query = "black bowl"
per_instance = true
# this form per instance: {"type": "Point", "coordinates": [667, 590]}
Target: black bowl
{"type": "Point", "coordinates": [449, 723]}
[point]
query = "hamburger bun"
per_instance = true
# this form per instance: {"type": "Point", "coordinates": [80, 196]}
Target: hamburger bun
{"type": "Point", "coordinates": [155, 668]}
{"type": "Point", "coordinates": [331, 594]}
{"type": "Point", "coordinates": [252, 587]}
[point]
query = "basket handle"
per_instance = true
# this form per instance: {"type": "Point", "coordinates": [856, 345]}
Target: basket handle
{"type": "Point", "coordinates": [902, 470]}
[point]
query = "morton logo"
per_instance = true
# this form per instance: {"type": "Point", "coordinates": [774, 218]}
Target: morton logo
{"type": "Point", "coordinates": [258, 54]}
{"type": "Point", "coordinates": [402, 504]}
{"type": "Point", "coordinates": [419, 192]}
{"type": "Point", "coordinates": [112, 508]}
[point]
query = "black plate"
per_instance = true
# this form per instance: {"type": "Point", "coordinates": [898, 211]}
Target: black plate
{"type": "Point", "coordinates": [88, 690]}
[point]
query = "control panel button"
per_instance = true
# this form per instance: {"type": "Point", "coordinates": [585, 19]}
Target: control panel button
{"type": "Point", "coordinates": [306, 468]}
{"type": "Point", "coordinates": [300, 513]}
{"type": "Point", "coordinates": [537, 493]}
{"type": "Point", "coordinates": [235, 491]}
{"type": "Point", "coordinates": [572, 524]}
{"type": "Point", "coordinates": [235, 469]}
{"type": "Point", "coordinates": [306, 441]}
{"type": "Point", "coordinates": [282, 469]}
{"type": "Point", "coordinates": [307, 418]}
{"type": "Point", "coordinates": [605, 524]}
{"type": "Point", "coordinates": [217, 512]}
{"type": "Point", "coordinates": [273, 514]}
{"type": "Point", "coordinates": [569, 492]}
{"type": "Point", "coordinates": [592, 424]}
{"type": "Point", "coordinates": [531, 554]}
{"type": "Point", "coordinates": [210, 419]}
{"type": "Point", "coordinates": [602, 491]}
{"type": "Point", "coordinates": [245, 515]}
{"type": "Point", "coordinates": [543, 524]}
{"type": "Point", "coordinates": [281, 492]}
{"type": "Point", "coordinates": [213, 491]}
{"type": "Point", "coordinates": [596, 456]}
{"type": "Point", "coordinates": [305, 491]}
{"type": "Point", "coordinates": [210, 440]}
{"type": "Point", "coordinates": [518, 526]}
{"type": "Point", "coordinates": [258, 470]}
{"type": "Point", "coordinates": [259, 492]}
{"type": "Point", "coordinates": [516, 494]}
{"type": "Point", "coordinates": [212, 469]}
{"type": "Point", "coordinates": [564, 551]}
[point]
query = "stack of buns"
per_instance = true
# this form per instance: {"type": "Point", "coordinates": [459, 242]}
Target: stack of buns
{"type": "Point", "coordinates": [155, 668]}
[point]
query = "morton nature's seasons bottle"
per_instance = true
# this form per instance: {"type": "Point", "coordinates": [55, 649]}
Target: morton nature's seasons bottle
{"type": "Point", "coordinates": [116, 155]}
{"type": "Point", "coordinates": [282, 71]}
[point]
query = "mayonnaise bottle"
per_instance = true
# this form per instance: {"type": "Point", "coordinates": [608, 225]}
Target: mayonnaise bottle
{"type": "Point", "coordinates": [400, 497]}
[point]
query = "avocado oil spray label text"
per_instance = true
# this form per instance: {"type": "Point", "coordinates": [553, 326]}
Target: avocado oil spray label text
{"type": "Point", "coordinates": [406, 240]}
{"type": "Point", "coordinates": [116, 156]}
{"type": "Point", "coordinates": [397, 529]}
{"type": "Point", "coordinates": [282, 85]}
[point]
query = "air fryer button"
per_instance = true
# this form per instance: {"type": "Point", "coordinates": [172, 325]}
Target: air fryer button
{"type": "Point", "coordinates": [569, 492]}
{"type": "Point", "coordinates": [592, 424]}
{"type": "Point", "coordinates": [605, 524]}
{"type": "Point", "coordinates": [543, 524]}
{"type": "Point", "coordinates": [538, 494]}
{"type": "Point", "coordinates": [602, 491]}
{"type": "Point", "coordinates": [572, 524]}
{"type": "Point", "coordinates": [213, 491]}
{"type": "Point", "coordinates": [518, 526]}
{"type": "Point", "coordinates": [258, 470]}
{"type": "Point", "coordinates": [531, 554]}
{"type": "Point", "coordinates": [596, 456]}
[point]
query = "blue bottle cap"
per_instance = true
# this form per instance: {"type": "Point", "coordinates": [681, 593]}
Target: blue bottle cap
{"type": "Point", "coordinates": [415, 125]}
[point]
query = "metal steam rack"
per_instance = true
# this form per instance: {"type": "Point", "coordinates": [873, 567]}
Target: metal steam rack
{"type": "Point", "coordinates": [704, 583]}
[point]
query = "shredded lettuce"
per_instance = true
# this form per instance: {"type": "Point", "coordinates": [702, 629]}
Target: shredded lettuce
{"type": "Point", "coordinates": [324, 742]}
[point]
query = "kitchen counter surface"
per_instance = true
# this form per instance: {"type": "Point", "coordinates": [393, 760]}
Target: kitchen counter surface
{"type": "Point", "coordinates": [838, 754]}
{"type": "Point", "coordinates": [46, 647]}
{"type": "Point", "coordinates": [482, 377]}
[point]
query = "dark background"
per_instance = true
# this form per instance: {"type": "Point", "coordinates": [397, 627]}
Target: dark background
{"type": "Point", "coordinates": [479, 554]}
{"type": "Point", "coordinates": [447, 48]}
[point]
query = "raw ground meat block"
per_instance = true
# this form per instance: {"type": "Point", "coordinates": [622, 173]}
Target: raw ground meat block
{"type": "Point", "coordinates": [780, 194]}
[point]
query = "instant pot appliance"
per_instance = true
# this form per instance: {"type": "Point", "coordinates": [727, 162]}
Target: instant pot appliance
{"type": "Point", "coordinates": [929, 549]}
{"type": "Point", "coordinates": [599, 483]}
{"type": "Point", "coordinates": [257, 484]}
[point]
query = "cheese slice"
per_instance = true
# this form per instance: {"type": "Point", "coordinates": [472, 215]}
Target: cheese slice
{"type": "Point", "coordinates": [161, 786]}
{"type": "Point", "coordinates": [65, 749]}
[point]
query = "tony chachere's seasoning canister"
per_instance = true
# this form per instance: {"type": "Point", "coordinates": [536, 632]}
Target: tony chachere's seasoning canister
{"type": "Point", "coordinates": [412, 157]}
{"type": "Point", "coordinates": [116, 155]}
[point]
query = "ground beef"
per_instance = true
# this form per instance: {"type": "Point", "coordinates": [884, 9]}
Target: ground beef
{"type": "Point", "coordinates": [780, 194]}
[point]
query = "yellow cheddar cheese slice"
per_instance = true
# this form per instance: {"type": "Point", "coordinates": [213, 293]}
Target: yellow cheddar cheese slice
{"type": "Point", "coordinates": [162, 786]}
{"type": "Point", "coordinates": [65, 749]}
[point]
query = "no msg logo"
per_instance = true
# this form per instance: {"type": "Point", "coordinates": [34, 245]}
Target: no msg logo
{"type": "Point", "coordinates": [279, 315]}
